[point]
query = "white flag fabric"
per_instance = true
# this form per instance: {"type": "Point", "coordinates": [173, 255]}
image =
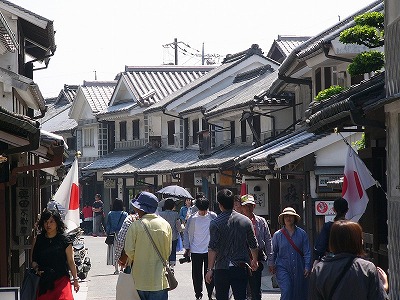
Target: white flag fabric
{"type": "Point", "coordinates": [357, 179]}
{"type": "Point", "coordinates": [68, 196]}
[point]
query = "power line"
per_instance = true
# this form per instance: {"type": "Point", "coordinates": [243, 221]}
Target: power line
{"type": "Point", "coordinates": [187, 50]}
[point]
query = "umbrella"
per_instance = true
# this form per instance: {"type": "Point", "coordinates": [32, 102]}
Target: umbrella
{"type": "Point", "coordinates": [175, 191]}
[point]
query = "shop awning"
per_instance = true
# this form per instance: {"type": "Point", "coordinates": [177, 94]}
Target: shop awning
{"type": "Point", "coordinates": [288, 150]}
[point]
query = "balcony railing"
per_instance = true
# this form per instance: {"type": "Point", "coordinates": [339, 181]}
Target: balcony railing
{"type": "Point", "coordinates": [130, 144]}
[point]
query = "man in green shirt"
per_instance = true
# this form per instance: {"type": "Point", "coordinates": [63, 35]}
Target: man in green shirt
{"type": "Point", "coordinates": [148, 270]}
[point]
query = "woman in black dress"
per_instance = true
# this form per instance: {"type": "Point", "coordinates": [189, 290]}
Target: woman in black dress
{"type": "Point", "coordinates": [52, 258]}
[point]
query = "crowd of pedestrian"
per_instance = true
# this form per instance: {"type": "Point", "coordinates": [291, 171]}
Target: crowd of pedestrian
{"type": "Point", "coordinates": [227, 252]}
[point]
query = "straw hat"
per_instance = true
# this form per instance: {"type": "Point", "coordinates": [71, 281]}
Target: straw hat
{"type": "Point", "coordinates": [288, 211]}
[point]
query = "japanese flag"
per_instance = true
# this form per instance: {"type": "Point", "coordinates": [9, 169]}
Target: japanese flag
{"type": "Point", "coordinates": [357, 179]}
{"type": "Point", "coordinates": [68, 196]}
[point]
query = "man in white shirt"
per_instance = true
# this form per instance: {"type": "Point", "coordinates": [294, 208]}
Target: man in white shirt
{"type": "Point", "coordinates": [195, 240]}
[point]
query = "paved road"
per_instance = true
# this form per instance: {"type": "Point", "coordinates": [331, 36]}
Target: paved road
{"type": "Point", "coordinates": [101, 281]}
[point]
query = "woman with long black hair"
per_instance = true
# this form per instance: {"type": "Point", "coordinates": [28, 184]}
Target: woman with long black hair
{"type": "Point", "coordinates": [52, 258]}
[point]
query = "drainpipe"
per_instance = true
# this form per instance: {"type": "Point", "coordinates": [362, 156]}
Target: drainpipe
{"type": "Point", "coordinates": [327, 55]}
{"type": "Point", "coordinates": [167, 114]}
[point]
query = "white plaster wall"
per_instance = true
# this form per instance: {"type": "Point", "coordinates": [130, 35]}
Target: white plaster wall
{"type": "Point", "coordinates": [334, 154]}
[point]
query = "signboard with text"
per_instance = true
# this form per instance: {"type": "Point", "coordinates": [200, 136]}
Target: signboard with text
{"type": "Point", "coordinates": [24, 199]}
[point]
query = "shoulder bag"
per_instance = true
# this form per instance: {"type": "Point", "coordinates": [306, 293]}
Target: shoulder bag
{"type": "Point", "coordinates": [291, 242]}
{"type": "Point", "coordinates": [111, 236]}
{"type": "Point", "coordinates": [340, 277]}
{"type": "Point", "coordinates": [172, 282]}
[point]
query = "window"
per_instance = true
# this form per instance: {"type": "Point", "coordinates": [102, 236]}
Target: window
{"type": "Point", "coordinates": [103, 139]}
{"type": "Point", "coordinates": [327, 77]}
{"type": "Point", "coordinates": [318, 85]}
{"type": "Point", "coordinates": [195, 131]}
{"type": "Point", "coordinates": [88, 137]}
{"type": "Point", "coordinates": [257, 126]}
{"type": "Point", "coordinates": [233, 132]}
{"type": "Point", "coordinates": [171, 132]}
{"type": "Point", "coordinates": [135, 129]}
{"type": "Point", "coordinates": [186, 131]}
{"type": "Point", "coordinates": [243, 131]}
{"type": "Point", "coordinates": [122, 131]}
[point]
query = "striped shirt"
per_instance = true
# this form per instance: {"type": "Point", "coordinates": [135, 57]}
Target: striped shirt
{"type": "Point", "coordinates": [120, 238]}
{"type": "Point", "coordinates": [232, 237]}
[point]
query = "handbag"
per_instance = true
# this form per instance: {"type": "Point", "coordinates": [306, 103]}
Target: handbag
{"type": "Point", "coordinates": [169, 273]}
{"type": "Point", "coordinates": [111, 236]}
{"type": "Point", "coordinates": [29, 285]}
{"type": "Point", "coordinates": [125, 288]}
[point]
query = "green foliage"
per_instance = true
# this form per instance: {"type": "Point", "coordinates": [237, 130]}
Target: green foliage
{"type": "Point", "coordinates": [329, 92]}
{"type": "Point", "coordinates": [368, 30]}
{"type": "Point", "coordinates": [373, 19]}
{"type": "Point", "coordinates": [366, 62]}
{"type": "Point", "coordinates": [360, 144]}
{"type": "Point", "coordinates": [362, 35]}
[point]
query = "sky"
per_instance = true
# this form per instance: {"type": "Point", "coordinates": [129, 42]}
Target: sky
{"type": "Point", "coordinates": [96, 39]}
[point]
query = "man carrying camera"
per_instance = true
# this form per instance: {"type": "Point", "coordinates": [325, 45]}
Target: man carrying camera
{"type": "Point", "coordinates": [195, 240]}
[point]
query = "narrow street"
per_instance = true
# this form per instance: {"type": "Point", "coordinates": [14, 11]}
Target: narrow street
{"type": "Point", "coordinates": [101, 281]}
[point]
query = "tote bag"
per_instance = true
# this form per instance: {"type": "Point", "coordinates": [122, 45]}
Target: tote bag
{"type": "Point", "coordinates": [29, 285]}
{"type": "Point", "coordinates": [126, 286]}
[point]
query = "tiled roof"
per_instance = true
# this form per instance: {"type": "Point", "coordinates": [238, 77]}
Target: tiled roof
{"type": "Point", "coordinates": [60, 122]}
{"type": "Point", "coordinates": [57, 105]}
{"type": "Point", "coordinates": [17, 124]}
{"type": "Point", "coordinates": [269, 152]}
{"type": "Point", "coordinates": [133, 166]}
{"type": "Point", "coordinates": [171, 162]}
{"type": "Point", "coordinates": [230, 61]}
{"type": "Point", "coordinates": [241, 81]}
{"type": "Point", "coordinates": [286, 43]}
{"type": "Point", "coordinates": [117, 108]}
{"type": "Point", "coordinates": [98, 93]}
{"type": "Point", "coordinates": [151, 84]}
{"type": "Point", "coordinates": [245, 96]}
{"type": "Point", "coordinates": [342, 109]}
{"type": "Point", "coordinates": [114, 159]}
{"type": "Point", "coordinates": [164, 161]}
{"type": "Point", "coordinates": [220, 159]}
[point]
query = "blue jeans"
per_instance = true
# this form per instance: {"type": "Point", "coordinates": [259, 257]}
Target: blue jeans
{"type": "Point", "coordinates": [97, 226]}
{"type": "Point", "coordinates": [172, 256]}
{"type": "Point", "coordinates": [153, 295]}
{"type": "Point", "coordinates": [234, 277]}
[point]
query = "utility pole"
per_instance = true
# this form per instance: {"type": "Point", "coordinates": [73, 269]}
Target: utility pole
{"type": "Point", "coordinates": [202, 55]}
{"type": "Point", "coordinates": [95, 75]}
{"type": "Point", "coordinates": [176, 50]}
